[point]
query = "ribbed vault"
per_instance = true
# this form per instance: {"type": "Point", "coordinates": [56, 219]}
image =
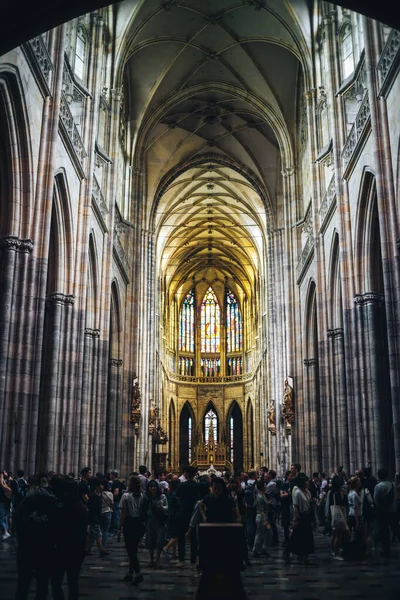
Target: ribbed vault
{"type": "Point", "coordinates": [211, 92]}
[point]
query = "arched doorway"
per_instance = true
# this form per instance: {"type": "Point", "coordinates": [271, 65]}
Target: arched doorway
{"type": "Point", "coordinates": [186, 435]}
{"type": "Point", "coordinates": [234, 428]}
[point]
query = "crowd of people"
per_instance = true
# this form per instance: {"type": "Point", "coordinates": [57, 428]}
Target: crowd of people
{"type": "Point", "coordinates": [58, 520]}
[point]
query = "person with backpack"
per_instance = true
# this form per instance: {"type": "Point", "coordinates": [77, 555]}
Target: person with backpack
{"type": "Point", "coordinates": [385, 504]}
{"type": "Point", "coordinates": [36, 527]}
{"type": "Point", "coordinates": [250, 494]}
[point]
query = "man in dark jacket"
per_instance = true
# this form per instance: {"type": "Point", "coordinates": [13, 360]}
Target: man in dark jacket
{"type": "Point", "coordinates": [35, 524]}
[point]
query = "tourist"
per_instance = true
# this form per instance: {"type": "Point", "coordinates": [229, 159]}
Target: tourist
{"type": "Point", "coordinates": [250, 493]}
{"type": "Point", "coordinates": [84, 488]}
{"type": "Point", "coordinates": [301, 541]}
{"type": "Point", "coordinates": [273, 497]}
{"type": "Point", "coordinates": [70, 537]}
{"type": "Point", "coordinates": [385, 503]}
{"type": "Point", "coordinates": [286, 505]}
{"type": "Point", "coordinates": [338, 526]}
{"type": "Point", "coordinates": [314, 491]}
{"type": "Point", "coordinates": [5, 503]}
{"type": "Point", "coordinates": [36, 529]}
{"type": "Point", "coordinates": [219, 507]}
{"type": "Point", "coordinates": [172, 527]}
{"type": "Point", "coordinates": [237, 493]}
{"type": "Point", "coordinates": [107, 511]}
{"type": "Point", "coordinates": [156, 520]}
{"type": "Point", "coordinates": [196, 519]}
{"type": "Point", "coordinates": [323, 490]}
{"type": "Point", "coordinates": [144, 479]}
{"type": "Point", "coordinates": [94, 507]}
{"type": "Point", "coordinates": [263, 527]}
{"type": "Point", "coordinates": [117, 489]}
{"type": "Point", "coordinates": [188, 494]}
{"type": "Point", "coordinates": [134, 506]}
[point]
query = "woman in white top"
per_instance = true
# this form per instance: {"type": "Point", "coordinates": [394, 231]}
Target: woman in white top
{"type": "Point", "coordinates": [301, 541]}
{"type": "Point", "coordinates": [107, 506]}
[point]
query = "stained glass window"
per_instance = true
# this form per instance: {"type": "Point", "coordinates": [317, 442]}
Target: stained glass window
{"type": "Point", "coordinates": [210, 422]}
{"type": "Point", "coordinates": [210, 323]}
{"type": "Point", "coordinates": [234, 325]}
{"type": "Point", "coordinates": [186, 324]}
{"type": "Point", "coordinates": [190, 438]}
{"type": "Point", "coordinates": [80, 53]}
{"type": "Point", "coordinates": [235, 365]}
{"type": "Point", "coordinates": [210, 367]}
{"type": "Point", "coordinates": [186, 365]}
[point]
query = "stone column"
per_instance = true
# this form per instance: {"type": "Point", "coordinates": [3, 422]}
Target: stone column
{"type": "Point", "coordinates": [341, 401]}
{"type": "Point", "coordinates": [312, 416]}
{"type": "Point", "coordinates": [113, 427]}
{"type": "Point", "coordinates": [371, 308]}
{"type": "Point", "coordinates": [53, 365]}
{"type": "Point", "coordinates": [14, 264]}
{"type": "Point", "coordinates": [388, 220]}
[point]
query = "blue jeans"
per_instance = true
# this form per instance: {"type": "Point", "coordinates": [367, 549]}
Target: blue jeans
{"type": "Point", "coordinates": [3, 518]}
{"type": "Point", "coordinates": [105, 522]}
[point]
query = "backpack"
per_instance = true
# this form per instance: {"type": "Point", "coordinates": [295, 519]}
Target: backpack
{"type": "Point", "coordinates": [387, 500]}
{"type": "Point", "coordinates": [250, 495]}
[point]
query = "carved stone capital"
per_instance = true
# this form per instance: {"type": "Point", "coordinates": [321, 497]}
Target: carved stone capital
{"type": "Point", "coordinates": [97, 19]}
{"type": "Point", "coordinates": [94, 333]}
{"type": "Point", "coordinates": [287, 171]}
{"type": "Point", "coordinates": [117, 94]}
{"type": "Point", "coordinates": [311, 93]}
{"type": "Point", "coordinates": [310, 362]}
{"type": "Point", "coordinates": [61, 299]}
{"type": "Point", "coordinates": [13, 242]}
{"type": "Point", "coordinates": [369, 298]}
{"type": "Point", "coordinates": [115, 362]}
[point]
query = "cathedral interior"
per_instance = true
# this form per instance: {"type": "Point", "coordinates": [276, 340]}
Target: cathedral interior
{"type": "Point", "coordinates": [199, 239]}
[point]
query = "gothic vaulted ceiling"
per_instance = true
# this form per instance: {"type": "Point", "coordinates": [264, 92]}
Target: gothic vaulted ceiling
{"type": "Point", "coordinates": [211, 89]}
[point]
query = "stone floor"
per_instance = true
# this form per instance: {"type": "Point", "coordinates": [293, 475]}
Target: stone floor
{"type": "Point", "coordinates": [329, 580]}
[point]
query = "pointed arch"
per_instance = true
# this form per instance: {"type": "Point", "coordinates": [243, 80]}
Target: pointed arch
{"type": "Point", "coordinates": [335, 286]}
{"type": "Point", "coordinates": [250, 433]}
{"type": "Point", "coordinates": [172, 431]}
{"type": "Point", "coordinates": [16, 156]}
{"type": "Point", "coordinates": [210, 323]}
{"type": "Point", "coordinates": [187, 428]}
{"type": "Point", "coordinates": [234, 429]}
{"type": "Point", "coordinates": [310, 321]}
{"type": "Point", "coordinates": [115, 321]}
{"type": "Point", "coordinates": [92, 283]}
{"type": "Point", "coordinates": [367, 232]}
{"type": "Point", "coordinates": [211, 417]}
{"type": "Point", "coordinates": [61, 243]}
{"type": "Point", "coordinates": [187, 324]}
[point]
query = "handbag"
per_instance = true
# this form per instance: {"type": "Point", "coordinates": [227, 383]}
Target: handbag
{"type": "Point", "coordinates": [338, 519]}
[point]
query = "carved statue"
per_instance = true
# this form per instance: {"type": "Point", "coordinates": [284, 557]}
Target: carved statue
{"type": "Point", "coordinates": [136, 397]}
{"type": "Point", "coordinates": [271, 417]}
{"type": "Point", "coordinates": [287, 404]}
{"type": "Point", "coordinates": [135, 407]}
{"type": "Point", "coordinates": [153, 416]}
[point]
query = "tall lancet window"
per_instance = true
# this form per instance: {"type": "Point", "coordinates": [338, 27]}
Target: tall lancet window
{"type": "Point", "coordinates": [186, 324]}
{"type": "Point", "coordinates": [234, 326]}
{"type": "Point", "coordinates": [210, 323]}
{"type": "Point", "coordinates": [210, 426]}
